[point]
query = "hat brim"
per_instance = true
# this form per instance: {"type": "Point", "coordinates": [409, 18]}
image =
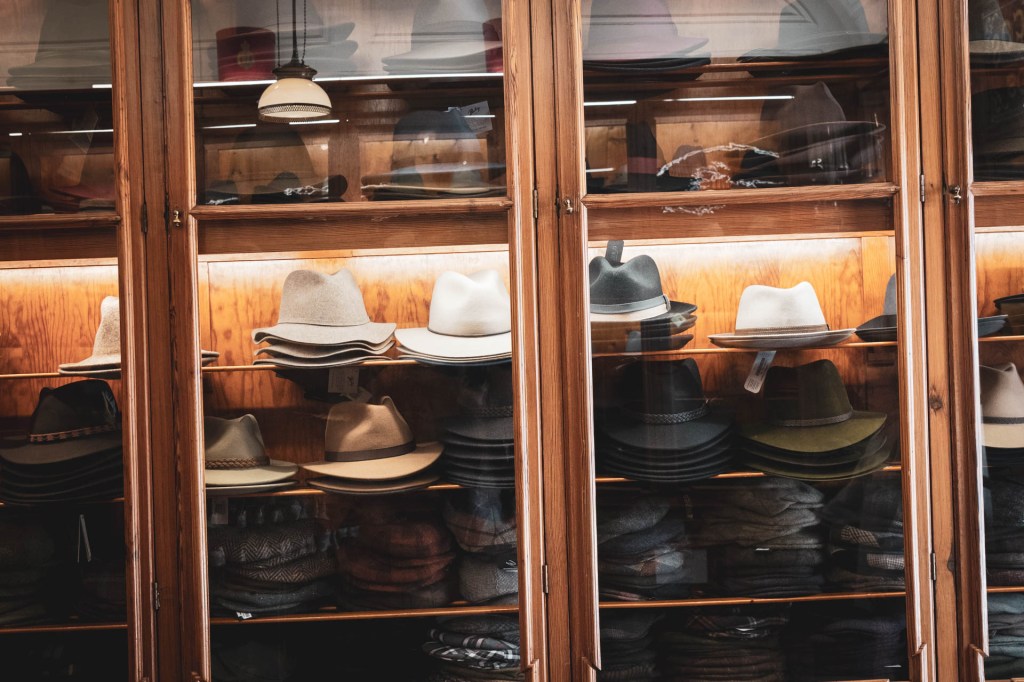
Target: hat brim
{"type": "Point", "coordinates": [94, 488]}
{"type": "Point", "coordinates": [455, 53]}
{"type": "Point", "coordinates": [696, 473]}
{"type": "Point", "coordinates": [815, 45]}
{"type": "Point", "coordinates": [1002, 435]}
{"type": "Point", "coordinates": [642, 49]}
{"type": "Point", "coordinates": [776, 341]}
{"type": "Point", "coordinates": [500, 430]}
{"type": "Point", "coordinates": [422, 341]}
{"type": "Point", "coordinates": [846, 456]}
{"type": "Point", "coordinates": [109, 366]}
{"type": "Point", "coordinates": [638, 342]}
{"type": "Point", "coordinates": [475, 444]}
{"type": "Point", "coordinates": [869, 463]}
{"type": "Point", "coordinates": [692, 435]}
{"type": "Point", "coordinates": [679, 317]}
{"type": "Point", "coordinates": [386, 469]}
{"type": "Point", "coordinates": [58, 451]}
{"type": "Point", "coordinates": [995, 52]}
{"type": "Point", "coordinates": [860, 426]}
{"type": "Point", "coordinates": [304, 352]}
{"type": "Point", "coordinates": [64, 469]}
{"type": "Point", "coordinates": [373, 333]}
{"type": "Point", "coordinates": [666, 465]}
{"type": "Point", "coordinates": [379, 488]}
{"type": "Point", "coordinates": [274, 472]}
{"type": "Point", "coordinates": [13, 479]}
{"type": "Point", "coordinates": [338, 361]}
{"type": "Point", "coordinates": [243, 489]}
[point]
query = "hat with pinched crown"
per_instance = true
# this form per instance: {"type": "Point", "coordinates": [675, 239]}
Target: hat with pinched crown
{"type": "Point", "coordinates": [235, 454]}
{"type": "Point", "coordinates": [372, 442]}
{"type": "Point", "coordinates": [629, 290]}
{"type": "Point", "coordinates": [1002, 406]}
{"type": "Point", "coordinates": [323, 310]}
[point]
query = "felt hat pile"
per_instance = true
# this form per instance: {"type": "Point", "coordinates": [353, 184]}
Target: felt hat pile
{"type": "Point", "coordinates": [479, 443]}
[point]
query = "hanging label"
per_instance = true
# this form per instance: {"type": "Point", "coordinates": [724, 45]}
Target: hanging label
{"type": "Point", "coordinates": [343, 381]}
{"type": "Point", "coordinates": [478, 117]}
{"type": "Point", "coordinates": [83, 534]}
{"type": "Point", "coordinates": [755, 380]}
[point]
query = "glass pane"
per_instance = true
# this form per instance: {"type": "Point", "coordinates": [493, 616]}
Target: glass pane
{"type": "Point", "coordinates": [683, 96]}
{"type": "Point", "coordinates": [408, 100]}
{"type": "Point", "coordinates": [56, 125]}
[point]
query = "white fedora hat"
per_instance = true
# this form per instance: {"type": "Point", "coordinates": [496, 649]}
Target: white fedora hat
{"type": "Point", "coordinates": [323, 310]}
{"type": "Point", "coordinates": [235, 454]}
{"type": "Point", "coordinates": [770, 318]}
{"type": "Point", "coordinates": [448, 32]}
{"type": "Point", "coordinates": [1002, 406]}
{"type": "Point", "coordinates": [470, 318]}
{"type": "Point", "coordinates": [372, 443]}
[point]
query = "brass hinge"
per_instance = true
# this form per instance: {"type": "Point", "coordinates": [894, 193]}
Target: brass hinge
{"type": "Point", "coordinates": [922, 184]}
{"type": "Point", "coordinates": [156, 596]}
{"type": "Point", "coordinates": [935, 572]}
{"type": "Point", "coordinates": [536, 204]}
{"type": "Point", "coordinates": [545, 584]}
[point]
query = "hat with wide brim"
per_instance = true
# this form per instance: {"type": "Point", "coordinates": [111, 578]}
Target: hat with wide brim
{"type": "Point", "coordinates": [17, 480]}
{"type": "Point", "coordinates": [656, 464]}
{"type": "Point", "coordinates": [860, 426]}
{"type": "Point", "coordinates": [781, 340]}
{"type": "Point", "coordinates": [477, 445]}
{"type": "Point", "coordinates": [337, 361]}
{"type": "Point", "coordinates": [869, 463]}
{"type": "Point", "coordinates": [640, 50]}
{"type": "Point", "coordinates": [638, 342]}
{"type": "Point", "coordinates": [386, 469]}
{"type": "Point", "coordinates": [24, 452]}
{"type": "Point", "coordinates": [274, 472]}
{"type": "Point", "coordinates": [677, 317]}
{"type": "Point", "coordinates": [995, 52]}
{"type": "Point", "coordinates": [374, 333]}
{"type": "Point", "coordinates": [608, 444]}
{"type": "Point", "coordinates": [844, 455]}
{"type": "Point", "coordinates": [299, 351]}
{"type": "Point", "coordinates": [400, 485]}
{"type": "Point", "coordinates": [690, 435]}
{"type": "Point", "coordinates": [442, 346]}
{"type": "Point", "coordinates": [497, 430]}
{"type": "Point", "coordinates": [821, 45]}
{"type": "Point", "coordinates": [691, 474]}
{"type": "Point", "coordinates": [448, 362]}
{"type": "Point", "coordinates": [245, 489]}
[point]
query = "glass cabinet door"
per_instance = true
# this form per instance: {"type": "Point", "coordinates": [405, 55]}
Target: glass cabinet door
{"type": "Point", "coordinates": [741, 253]}
{"type": "Point", "coordinates": [72, 452]}
{"type": "Point", "coordinates": [357, 438]}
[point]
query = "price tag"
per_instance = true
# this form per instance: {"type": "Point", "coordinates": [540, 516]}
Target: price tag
{"type": "Point", "coordinates": [755, 380]}
{"type": "Point", "coordinates": [343, 381]}
{"type": "Point", "coordinates": [243, 615]}
{"type": "Point", "coordinates": [478, 117]}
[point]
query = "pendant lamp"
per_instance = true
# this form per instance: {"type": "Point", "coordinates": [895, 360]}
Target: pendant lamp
{"type": "Point", "coordinates": [294, 97]}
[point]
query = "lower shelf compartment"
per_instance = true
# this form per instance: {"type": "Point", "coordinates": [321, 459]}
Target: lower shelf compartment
{"type": "Point", "coordinates": [745, 601]}
{"type": "Point", "coordinates": [333, 615]}
{"type": "Point", "coordinates": [62, 627]}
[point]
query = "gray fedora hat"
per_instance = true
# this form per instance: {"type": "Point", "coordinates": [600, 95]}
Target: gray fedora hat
{"type": "Point", "coordinates": [235, 454]}
{"type": "Point", "coordinates": [630, 291]}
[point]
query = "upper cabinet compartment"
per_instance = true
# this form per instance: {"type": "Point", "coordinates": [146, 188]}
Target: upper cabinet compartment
{"type": "Point", "coordinates": [406, 100]}
{"type": "Point", "coordinates": [56, 128]}
{"type": "Point", "coordinates": [684, 96]}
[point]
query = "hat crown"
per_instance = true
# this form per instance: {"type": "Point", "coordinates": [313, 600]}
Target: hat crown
{"type": "Point", "coordinates": [76, 410]}
{"type": "Point", "coordinates": [108, 334]}
{"type": "Point", "coordinates": [1002, 392]}
{"type": "Point", "coordinates": [612, 21]}
{"type": "Point", "coordinates": [667, 388]}
{"type": "Point", "coordinates": [450, 20]}
{"type": "Point", "coordinates": [310, 297]}
{"type": "Point", "coordinates": [810, 105]}
{"type": "Point", "coordinates": [766, 310]}
{"type": "Point", "coordinates": [889, 307]}
{"type": "Point", "coordinates": [470, 305]}
{"type": "Point", "coordinates": [362, 427]}
{"type": "Point", "coordinates": [628, 286]}
{"type": "Point", "coordinates": [811, 394]}
{"type": "Point", "coordinates": [234, 443]}
{"type": "Point", "coordinates": [986, 20]}
{"type": "Point", "coordinates": [802, 19]}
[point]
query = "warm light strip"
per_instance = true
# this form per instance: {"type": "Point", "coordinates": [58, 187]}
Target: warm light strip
{"type": "Point", "coordinates": [326, 121]}
{"type": "Point", "coordinates": [64, 132]}
{"type": "Point", "coordinates": [352, 79]}
{"type": "Point", "coordinates": [600, 170]}
{"type": "Point", "coordinates": [613, 103]}
{"type": "Point", "coordinates": [228, 127]}
{"type": "Point", "coordinates": [735, 98]}
{"type": "Point", "coordinates": [102, 86]}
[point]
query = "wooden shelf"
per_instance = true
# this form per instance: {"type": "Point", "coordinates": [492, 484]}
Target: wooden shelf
{"type": "Point", "coordinates": [59, 237]}
{"type": "Point", "coordinates": [56, 505]}
{"type": "Point", "coordinates": [62, 627]}
{"type": "Point", "coordinates": [335, 615]}
{"type": "Point", "coordinates": [1005, 589]}
{"type": "Point", "coordinates": [683, 352]}
{"type": "Point", "coordinates": [615, 480]}
{"type": "Point", "coordinates": [60, 221]}
{"type": "Point", "coordinates": [1001, 339]}
{"type": "Point", "coordinates": [301, 491]}
{"type": "Point", "coordinates": [810, 193]}
{"type": "Point", "coordinates": [744, 601]}
{"type": "Point", "coordinates": [35, 375]}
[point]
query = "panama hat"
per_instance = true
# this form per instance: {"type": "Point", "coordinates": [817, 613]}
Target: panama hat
{"type": "Point", "coordinates": [470, 318]}
{"type": "Point", "coordinates": [868, 463]}
{"type": "Point", "coordinates": [770, 318]}
{"type": "Point", "coordinates": [882, 327]}
{"type": "Point", "coordinates": [235, 454]}
{"type": "Point", "coordinates": [447, 35]}
{"type": "Point", "coordinates": [808, 410]}
{"type": "Point", "coordinates": [72, 421]}
{"type": "Point", "coordinates": [1002, 406]}
{"type": "Point", "coordinates": [372, 442]}
{"type": "Point", "coordinates": [351, 487]}
{"type": "Point", "coordinates": [323, 310]}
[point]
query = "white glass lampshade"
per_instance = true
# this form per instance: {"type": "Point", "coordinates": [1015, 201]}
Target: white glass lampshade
{"type": "Point", "coordinates": [294, 97]}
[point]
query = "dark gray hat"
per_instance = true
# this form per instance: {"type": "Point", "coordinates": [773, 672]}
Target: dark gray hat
{"type": "Point", "coordinates": [633, 286]}
{"type": "Point", "coordinates": [486, 581]}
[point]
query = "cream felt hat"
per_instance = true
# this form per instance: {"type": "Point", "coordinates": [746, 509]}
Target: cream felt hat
{"type": "Point", "coordinates": [770, 318]}
{"type": "Point", "coordinates": [470, 318]}
{"type": "Point", "coordinates": [235, 454]}
{"type": "Point", "coordinates": [372, 443]}
{"type": "Point", "coordinates": [1002, 406]}
{"type": "Point", "coordinates": [323, 310]}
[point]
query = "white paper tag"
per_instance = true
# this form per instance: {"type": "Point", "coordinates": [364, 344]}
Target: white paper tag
{"type": "Point", "coordinates": [478, 117]}
{"type": "Point", "coordinates": [343, 381]}
{"type": "Point", "coordinates": [243, 615]}
{"type": "Point", "coordinates": [755, 380]}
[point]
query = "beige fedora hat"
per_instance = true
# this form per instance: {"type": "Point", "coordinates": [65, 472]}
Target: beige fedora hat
{"type": "Point", "coordinates": [769, 318]}
{"type": "Point", "coordinates": [1002, 406]}
{"type": "Point", "coordinates": [323, 310]}
{"type": "Point", "coordinates": [235, 454]}
{"type": "Point", "coordinates": [372, 443]}
{"type": "Point", "coordinates": [470, 317]}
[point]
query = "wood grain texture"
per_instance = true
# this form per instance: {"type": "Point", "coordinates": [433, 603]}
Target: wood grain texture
{"type": "Point", "coordinates": [24, 246]}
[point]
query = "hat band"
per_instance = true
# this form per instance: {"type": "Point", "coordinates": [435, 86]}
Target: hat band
{"type": "Point", "coordinates": [488, 412]}
{"type": "Point", "coordinates": [473, 336]}
{"type": "Point", "coordinates": [1002, 420]}
{"type": "Point", "coordinates": [629, 306]}
{"type": "Point", "coordinates": [72, 433]}
{"type": "Point", "coordinates": [236, 463]}
{"type": "Point", "coordinates": [762, 331]}
{"type": "Point", "coordinates": [670, 417]}
{"type": "Point", "coordinates": [818, 421]}
{"type": "Point", "coordinates": [364, 455]}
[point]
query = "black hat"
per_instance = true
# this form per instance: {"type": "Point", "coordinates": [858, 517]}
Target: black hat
{"type": "Point", "coordinates": [630, 288]}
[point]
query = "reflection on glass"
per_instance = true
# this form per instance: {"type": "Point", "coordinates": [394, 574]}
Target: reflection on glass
{"type": "Point", "coordinates": [766, 95]}
{"type": "Point", "coordinates": [416, 92]}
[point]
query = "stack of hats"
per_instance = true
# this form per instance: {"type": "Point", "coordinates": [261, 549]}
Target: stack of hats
{"type": "Point", "coordinates": [1004, 528]}
{"type": "Point", "coordinates": [479, 444]}
{"type": "Point", "coordinates": [74, 49]}
{"type": "Point", "coordinates": [236, 460]}
{"type": "Point", "coordinates": [436, 155]}
{"type": "Point", "coordinates": [448, 37]}
{"type": "Point", "coordinates": [73, 452]}
{"type": "Point", "coordinates": [470, 322]}
{"type": "Point", "coordinates": [26, 555]}
{"type": "Point", "coordinates": [818, 33]}
{"type": "Point", "coordinates": [997, 127]}
{"type": "Point", "coordinates": [482, 648]}
{"type": "Point", "coordinates": [865, 531]}
{"type": "Point", "coordinates": [642, 550]}
{"type": "Point", "coordinates": [817, 145]}
{"type": "Point", "coordinates": [629, 311]}
{"type": "Point", "coordinates": [395, 557]}
{"type": "Point", "coordinates": [483, 521]}
{"type": "Point", "coordinates": [1002, 415]}
{"type": "Point", "coordinates": [664, 430]}
{"type": "Point", "coordinates": [811, 430]}
{"type": "Point", "coordinates": [994, 33]}
{"type": "Point", "coordinates": [627, 653]}
{"type": "Point", "coordinates": [105, 361]}
{"type": "Point", "coordinates": [272, 568]}
{"type": "Point", "coordinates": [852, 641]}
{"type": "Point", "coordinates": [370, 450]}
{"type": "Point", "coordinates": [638, 37]}
{"type": "Point", "coordinates": [725, 643]}
{"type": "Point", "coordinates": [1005, 636]}
{"type": "Point", "coordinates": [763, 535]}
{"type": "Point", "coordinates": [769, 318]}
{"type": "Point", "coordinates": [322, 323]}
